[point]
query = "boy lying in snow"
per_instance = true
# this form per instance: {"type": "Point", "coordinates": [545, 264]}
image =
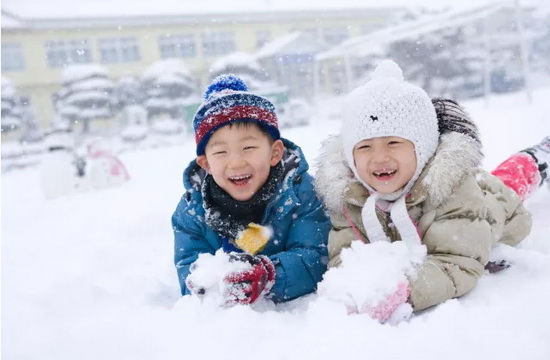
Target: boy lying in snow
{"type": "Point", "coordinates": [404, 170]}
{"type": "Point", "coordinates": [246, 176]}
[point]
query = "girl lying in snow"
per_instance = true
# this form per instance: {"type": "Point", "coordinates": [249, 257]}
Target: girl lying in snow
{"type": "Point", "coordinates": [406, 168]}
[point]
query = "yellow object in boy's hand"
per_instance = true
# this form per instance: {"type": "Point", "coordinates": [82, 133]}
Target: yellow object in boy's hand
{"type": "Point", "coordinates": [253, 239]}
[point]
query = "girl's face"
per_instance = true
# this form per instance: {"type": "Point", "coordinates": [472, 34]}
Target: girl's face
{"type": "Point", "coordinates": [385, 163]}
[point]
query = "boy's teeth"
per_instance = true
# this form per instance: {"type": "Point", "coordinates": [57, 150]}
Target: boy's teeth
{"type": "Point", "coordinates": [239, 177]}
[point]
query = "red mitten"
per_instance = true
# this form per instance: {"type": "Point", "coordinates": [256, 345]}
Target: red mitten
{"type": "Point", "coordinates": [247, 286]}
{"type": "Point", "coordinates": [393, 308]}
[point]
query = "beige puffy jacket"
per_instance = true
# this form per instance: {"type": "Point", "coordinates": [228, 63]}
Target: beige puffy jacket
{"type": "Point", "coordinates": [460, 210]}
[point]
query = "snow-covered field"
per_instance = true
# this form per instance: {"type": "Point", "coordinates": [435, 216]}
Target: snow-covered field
{"type": "Point", "coordinates": [90, 276]}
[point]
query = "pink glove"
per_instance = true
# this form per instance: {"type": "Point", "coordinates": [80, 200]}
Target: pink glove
{"type": "Point", "coordinates": [394, 308]}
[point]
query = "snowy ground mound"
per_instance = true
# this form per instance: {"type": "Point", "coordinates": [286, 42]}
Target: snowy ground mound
{"type": "Point", "coordinates": [90, 276]}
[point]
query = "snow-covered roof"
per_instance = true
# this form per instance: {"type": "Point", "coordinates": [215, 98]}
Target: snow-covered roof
{"type": "Point", "coordinates": [274, 46]}
{"type": "Point", "coordinates": [236, 59]}
{"type": "Point", "coordinates": [10, 21]}
{"type": "Point", "coordinates": [372, 42]}
{"type": "Point", "coordinates": [293, 43]}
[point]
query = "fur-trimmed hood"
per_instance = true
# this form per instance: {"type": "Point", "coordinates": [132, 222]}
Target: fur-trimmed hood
{"type": "Point", "coordinates": [456, 155]}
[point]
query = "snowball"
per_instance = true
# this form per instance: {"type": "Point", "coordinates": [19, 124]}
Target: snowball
{"type": "Point", "coordinates": [368, 274]}
{"type": "Point", "coordinates": [209, 271]}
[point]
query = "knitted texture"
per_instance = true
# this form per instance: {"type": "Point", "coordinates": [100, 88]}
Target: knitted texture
{"type": "Point", "coordinates": [389, 106]}
{"type": "Point", "coordinates": [227, 100]}
{"type": "Point", "coordinates": [383, 311]}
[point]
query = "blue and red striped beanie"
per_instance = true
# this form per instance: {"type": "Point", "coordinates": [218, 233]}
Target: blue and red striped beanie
{"type": "Point", "coordinates": [227, 100]}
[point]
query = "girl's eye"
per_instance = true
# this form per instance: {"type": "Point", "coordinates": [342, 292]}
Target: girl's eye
{"type": "Point", "coordinates": [219, 153]}
{"type": "Point", "coordinates": [395, 142]}
{"type": "Point", "coordinates": [364, 147]}
{"type": "Point", "coordinates": [249, 147]}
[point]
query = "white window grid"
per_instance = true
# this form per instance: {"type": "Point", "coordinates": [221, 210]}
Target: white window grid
{"type": "Point", "coordinates": [64, 52]}
{"type": "Point", "coordinates": [119, 50]}
{"type": "Point", "coordinates": [217, 43]}
{"type": "Point", "coordinates": [177, 46]}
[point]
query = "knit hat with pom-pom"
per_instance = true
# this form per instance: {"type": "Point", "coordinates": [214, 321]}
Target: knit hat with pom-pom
{"type": "Point", "coordinates": [389, 106]}
{"type": "Point", "coordinates": [227, 100]}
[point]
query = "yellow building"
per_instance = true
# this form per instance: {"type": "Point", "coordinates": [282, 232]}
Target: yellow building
{"type": "Point", "coordinates": [36, 50]}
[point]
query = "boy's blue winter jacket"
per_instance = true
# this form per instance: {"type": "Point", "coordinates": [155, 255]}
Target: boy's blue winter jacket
{"type": "Point", "coordinates": [300, 230]}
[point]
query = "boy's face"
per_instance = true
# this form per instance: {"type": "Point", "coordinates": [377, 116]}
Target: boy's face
{"type": "Point", "coordinates": [385, 163]}
{"type": "Point", "coordinates": [239, 159]}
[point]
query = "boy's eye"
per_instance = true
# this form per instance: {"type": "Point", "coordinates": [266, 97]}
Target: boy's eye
{"type": "Point", "coordinates": [220, 152]}
{"type": "Point", "coordinates": [249, 147]}
{"type": "Point", "coordinates": [395, 142]}
{"type": "Point", "coordinates": [364, 147]}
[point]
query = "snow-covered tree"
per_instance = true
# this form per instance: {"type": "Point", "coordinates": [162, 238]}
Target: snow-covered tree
{"type": "Point", "coordinates": [540, 52]}
{"type": "Point", "coordinates": [86, 95]}
{"type": "Point", "coordinates": [128, 92]}
{"type": "Point", "coordinates": [245, 66]}
{"type": "Point", "coordinates": [12, 110]}
{"type": "Point", "coordinates": [441, 63]}
{"type": "Point", "coordinates": [29, 122]}
{"type": "Point", "coordinates": [166, 85]}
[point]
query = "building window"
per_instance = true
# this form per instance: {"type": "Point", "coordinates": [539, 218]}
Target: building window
{"type": "Point", "coordinates": [335, 35]}
{"type": "Point", "coordinates": [262, 37]}
{"type": "Point", "coordinates": [217, 43]}
{"type": "Point", "coordinates": [119, 50]}
{"type": "Point", "coordinates": [63, 53]}
{"type": "Point", "coordinates": [12, 57]}
{"type": "Point", "coordinates": [177, 46]}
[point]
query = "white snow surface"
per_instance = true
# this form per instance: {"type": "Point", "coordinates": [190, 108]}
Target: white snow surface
{"type": "Point", "coordinates": [91, 276]}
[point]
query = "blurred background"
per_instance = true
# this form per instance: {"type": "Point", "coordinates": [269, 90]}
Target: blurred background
{"type": "Point", "coordinates": [135, 73]}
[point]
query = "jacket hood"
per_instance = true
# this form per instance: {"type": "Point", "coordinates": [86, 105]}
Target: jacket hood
{"type": "Point", "coordinates": [294, 163]}
{"type": "Point", "coordinates": [456, 154]}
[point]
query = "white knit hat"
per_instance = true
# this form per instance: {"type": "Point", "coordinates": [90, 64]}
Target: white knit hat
{"type": "Point", "coordinates": [389, 106]}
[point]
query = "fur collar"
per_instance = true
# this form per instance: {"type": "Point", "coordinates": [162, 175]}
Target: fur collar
{"type": "Point", "coordinates": [456, 155]}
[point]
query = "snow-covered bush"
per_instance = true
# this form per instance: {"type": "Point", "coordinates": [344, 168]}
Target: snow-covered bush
{"type": "Point", "coordinates": [86, 95]}
{"type": "Point", "coordinates": [245, 66]}
{"type": "Point", "coordinates": [441, 63]}
{"type": "Point", "coordinates": [167, 86]}
{"type": "Point", "coordinates": [11, 107]}
{"type": "Point", "coordinates": [128, 92]}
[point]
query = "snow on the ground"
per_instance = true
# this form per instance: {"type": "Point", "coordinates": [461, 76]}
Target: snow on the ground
{"type": "Point", "coordinates": [90, 276]}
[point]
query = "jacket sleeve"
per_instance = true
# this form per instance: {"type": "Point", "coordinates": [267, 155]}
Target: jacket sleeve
{"type": "Point", "coordinates": [189, 241]}
{"type": "Point", "coordinates": [340, 237]}
{"type": "Point", "coordinates": [302, 265]}
{"type": "Point", "coordinates": [459, 242]}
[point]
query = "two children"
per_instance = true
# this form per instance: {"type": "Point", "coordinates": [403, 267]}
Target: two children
{"type": "Point", "coordinates": [406, 168]}
{"type": "Point", "coordinates": [403, 168]}
{"type": "Point", "coordinates": [246, 175]}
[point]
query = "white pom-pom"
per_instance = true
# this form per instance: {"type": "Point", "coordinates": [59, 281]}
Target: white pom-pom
{"type": "Point", "coordinates": [387, 69]}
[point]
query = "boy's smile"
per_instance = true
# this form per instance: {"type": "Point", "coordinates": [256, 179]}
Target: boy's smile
{"type": "Point", "coordinates": [385, 163]}
{"type": "Point", "coordinates": [239, 158]}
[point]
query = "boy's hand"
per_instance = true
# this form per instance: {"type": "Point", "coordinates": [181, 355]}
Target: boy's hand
{"type": "Point", "coordinates": [253, 239]}
{"type": "Point", "coordinates": [245, 287]}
